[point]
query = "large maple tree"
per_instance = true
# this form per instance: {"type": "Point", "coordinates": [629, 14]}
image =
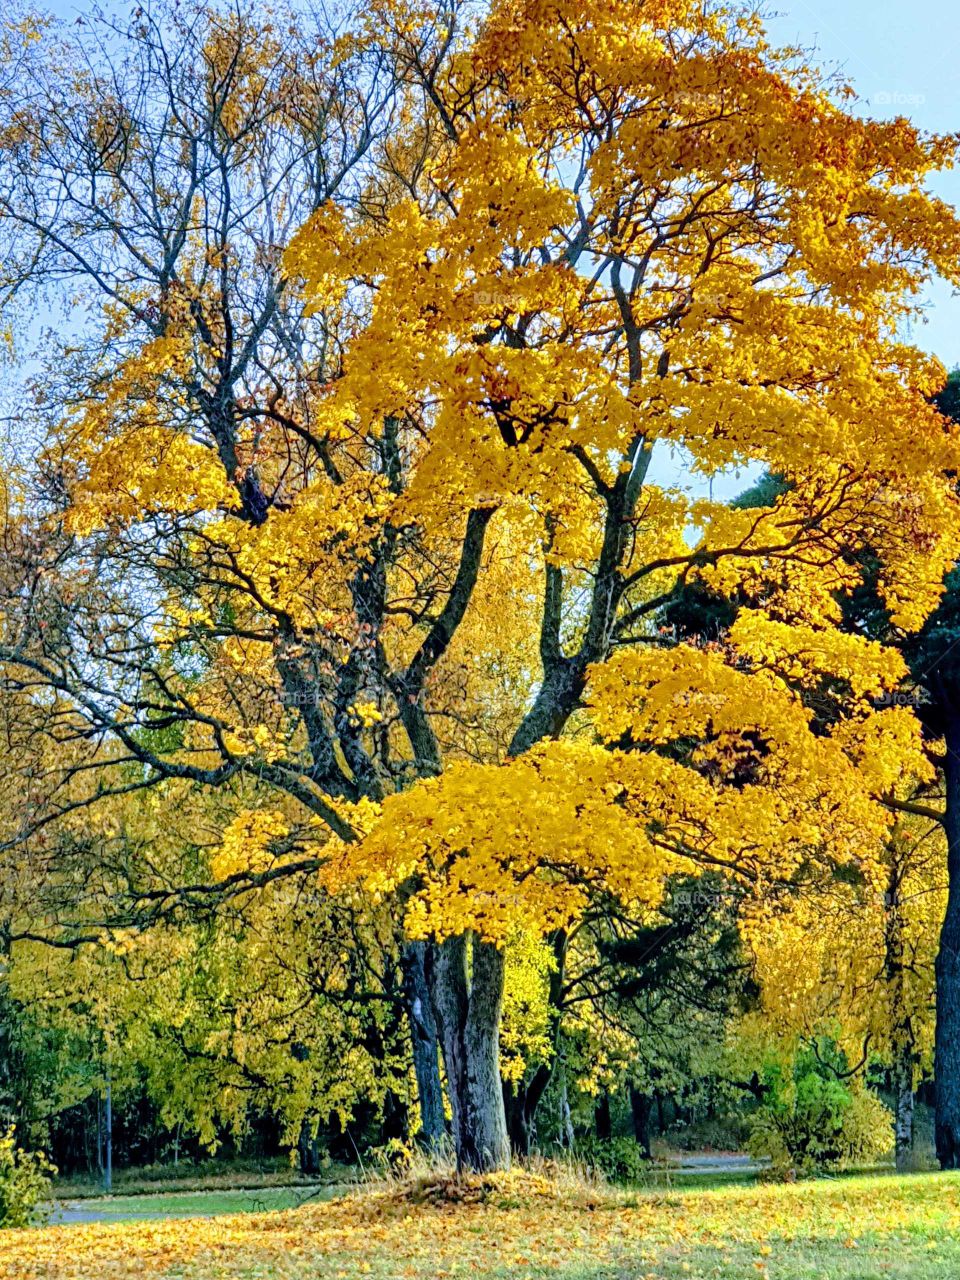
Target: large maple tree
{"type": "Point", "coordinates": [375, 519]}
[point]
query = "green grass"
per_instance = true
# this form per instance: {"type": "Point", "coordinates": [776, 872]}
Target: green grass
{"type": "Point", "coordinates": [196, 1199]}
{"type": "Point", "coordinates": [187, 1204]}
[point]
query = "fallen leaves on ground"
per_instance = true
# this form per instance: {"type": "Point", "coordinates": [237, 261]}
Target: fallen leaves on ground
{"type": "Point", "coordinates": [501, 1230]}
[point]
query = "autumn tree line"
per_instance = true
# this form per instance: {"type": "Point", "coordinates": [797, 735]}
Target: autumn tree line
{"type": "Point", "coordinates": [390, 755]}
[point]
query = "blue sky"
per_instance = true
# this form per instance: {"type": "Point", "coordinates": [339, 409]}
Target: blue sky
{"type": "Point", "coordinates": [901, 56]}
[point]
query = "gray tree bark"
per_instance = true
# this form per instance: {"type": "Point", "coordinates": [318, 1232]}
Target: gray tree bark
{"type": "Point", "coordinates": [467, 1001]}
{"type": "Point", "coordinates": [567, 1135]}
{"type": "Point", "coordinates": [903, 1121]}
{"type": "Point", "coordinates": [424, 1043]}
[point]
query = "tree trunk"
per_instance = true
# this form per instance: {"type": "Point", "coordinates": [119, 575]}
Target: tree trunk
{"type": "Point", "coordinates": [309, 1149]}
{"type": "Point", "coordinates": [423, 1039]}
{"type": "Point", "coordinates": [522, 1101]}
{"type": "Point", "coordinates": [640, 1107]}
{"type": "Point", "coordinates": [396, 1117]}
{"type": "Point", "coordinates": [108, 1137]}
{"type": "Point", "coordinates": [468, 1008]}
{"type": "Point", "coordinates": [518, 1125]}
{"type": "Point", "coordinates": [947, 1041]}
{"type": "Point", "coordinates": [567, 1135]}
{"type": "Point", "coordinates": [903, 1124]}
{"type": "Point", "coordinates": [901, 1026]}
{"type": "Point", "coordinates": [602, 1118]}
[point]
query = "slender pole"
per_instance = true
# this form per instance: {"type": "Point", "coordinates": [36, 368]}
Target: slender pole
{"type": "Point", "coordinates": [108, 1139]}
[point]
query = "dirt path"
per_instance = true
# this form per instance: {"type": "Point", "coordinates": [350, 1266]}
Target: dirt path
{"type": "Point", "coordinates": [717, 1162]}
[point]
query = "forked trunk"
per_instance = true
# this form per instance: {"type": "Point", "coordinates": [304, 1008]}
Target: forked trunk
{"type": "Point", "coordinates": [466, 983]}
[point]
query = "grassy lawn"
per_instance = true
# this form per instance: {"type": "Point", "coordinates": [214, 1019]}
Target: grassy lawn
{"type": "Point", "coordinates": [189, 1204]}
{"type": "Point", "coordinates": [195, 1199]}
{"type": "Point", "coordinates": [207, 1175]}
{"type": "Point", "coordinates": [863, 1228]}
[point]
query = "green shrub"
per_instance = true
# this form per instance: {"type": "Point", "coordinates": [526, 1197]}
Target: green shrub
{"type": "Point", "coordinates": [815, 1119]}
{"type": "Point", "coordinates": [24, 1183]}
{"type": "Point", "coordinates": [618, 1159]}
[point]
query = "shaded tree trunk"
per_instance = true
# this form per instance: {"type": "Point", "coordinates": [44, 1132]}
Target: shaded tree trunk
{"type": "Point", "coordinates": [522, 1100]}
{"type": "Point", "coordinates": [395, 1117]}
{"type": "Point", "coordinates": [602, 1118]}
{"type": "Point", "coordinates": [947, 1041]}
{"type": "Point", "coordinates": [424, 1043]}
{"type": "Point", "coordinates": [641, 1105]}
{"type": "Point", "coordinates": [901, 1026]}
{"type": "Point", "coordinates": [468, 1001]}
{"type": "Point", "coordinates": [309, 1149]}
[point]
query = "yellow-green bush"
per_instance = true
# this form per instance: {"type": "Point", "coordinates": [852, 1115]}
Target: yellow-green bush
{"type": "Point", "coordinates": [813, 1118]}
{"type": "Point", "coordinates": [24, 1183]}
